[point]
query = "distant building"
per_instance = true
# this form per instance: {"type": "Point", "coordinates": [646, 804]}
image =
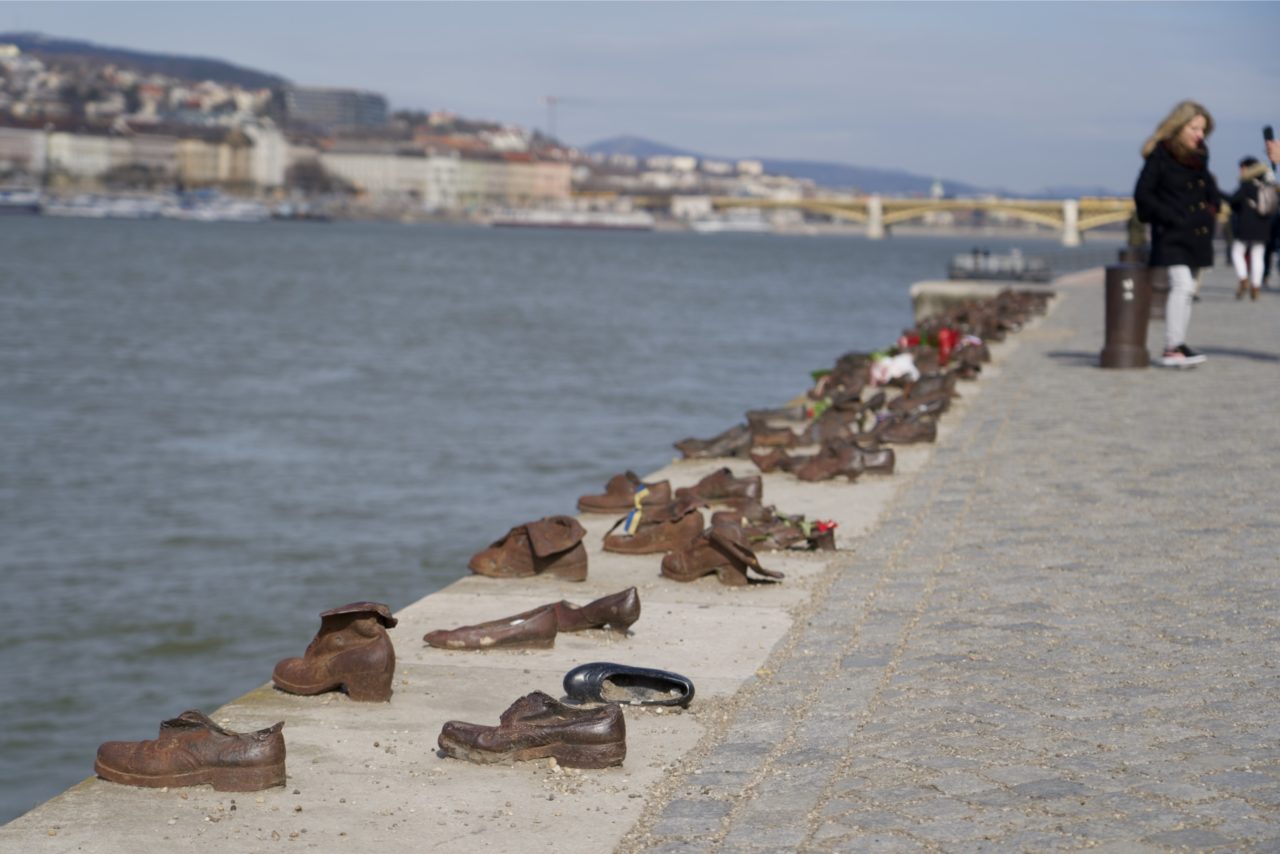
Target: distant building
{"type": "Point", "coordinates": [379, 171]}
{"type": "Point", "coordinates": [23, 150]}
{"type": "Point", "coordinates": [330, 109]}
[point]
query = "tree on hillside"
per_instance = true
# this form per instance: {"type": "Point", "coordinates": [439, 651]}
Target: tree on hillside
{"type": "Point", "coordinates": [136, 176]}
{"type": "Point", "coordinates": [310, 177]}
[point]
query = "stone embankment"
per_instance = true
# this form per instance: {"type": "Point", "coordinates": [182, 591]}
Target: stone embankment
{"type": "Point", "coordinates": [1053, 629]}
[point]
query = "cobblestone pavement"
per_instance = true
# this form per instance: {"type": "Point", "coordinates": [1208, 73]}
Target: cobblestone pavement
{"type": "Point", "coordinates": [1062, 635]}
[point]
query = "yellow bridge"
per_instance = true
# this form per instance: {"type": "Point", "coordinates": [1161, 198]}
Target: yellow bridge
{"type": "Point", "coordinates": [1070, 217]}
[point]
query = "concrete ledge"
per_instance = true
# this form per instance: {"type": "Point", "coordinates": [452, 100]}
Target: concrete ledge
{"type": "Point", "coordinates": [366, 777]}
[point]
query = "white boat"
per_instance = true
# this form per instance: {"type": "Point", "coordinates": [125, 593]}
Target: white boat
{"type": "Point", "coordinates": [601, 220]}
{"type": "Point", "coordinates": [1012, 266]}
{"type": "Point", "coordinates": [91, 206]}
{"type": "Point", "coordinates": [215, 207]}
{"type": "Point", "coordinates": [736, 221]}
{"type": "Point", "coordinates": [19, 201]}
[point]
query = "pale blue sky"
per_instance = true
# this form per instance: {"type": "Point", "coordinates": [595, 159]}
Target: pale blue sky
{"type": "Point", "coordinates": [1015, 95]}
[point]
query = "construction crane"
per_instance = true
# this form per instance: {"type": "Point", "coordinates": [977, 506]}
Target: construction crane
{"type": "Point", "coordinates": [551, 101]}
{"type": "Point", "coordinates": [554, 101]}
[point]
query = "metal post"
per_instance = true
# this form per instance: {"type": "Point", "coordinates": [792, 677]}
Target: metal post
{"type": "Point", "coordinates": [1128, 296]}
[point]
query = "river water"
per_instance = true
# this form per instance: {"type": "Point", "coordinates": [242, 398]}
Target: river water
{"type": "Point", "coordinates": [209, 433]}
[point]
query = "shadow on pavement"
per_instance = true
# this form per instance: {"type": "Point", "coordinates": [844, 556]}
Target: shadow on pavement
{"type": "Point", "coordinates": [1075, 358]}
{"type": "Point", "coordinates": [1237, 353]}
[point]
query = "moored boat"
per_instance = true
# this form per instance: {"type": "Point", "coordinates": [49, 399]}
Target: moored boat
{"type": "Point", "coordinates": [732, 222]}
{"type": "Point", "coordinates": [599, 220]}
{"type": "Point", "coordinates": [1012, 266]}
{"type": "Point", "coordinates": [19, 201]}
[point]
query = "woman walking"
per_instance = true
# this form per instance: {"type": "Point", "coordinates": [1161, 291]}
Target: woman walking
{"type": "Point", "coordinates": [1178, 196]}
{"type": "Point", "coordinates": [1254, 206]}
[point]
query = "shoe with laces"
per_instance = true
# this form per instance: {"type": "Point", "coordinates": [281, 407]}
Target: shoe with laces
{"type": "Point", "coordinates": [1181, 356]}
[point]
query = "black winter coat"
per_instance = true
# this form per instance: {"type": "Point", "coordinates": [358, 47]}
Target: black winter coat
{"type": "Point", "coordinates": [1181, 202]}
{"type": "Point", "coordinates": [1249, 226]}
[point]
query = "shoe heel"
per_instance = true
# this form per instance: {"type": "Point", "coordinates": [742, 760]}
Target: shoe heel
{"type": "Point", "coordinates": [369, 687]}
{"type": "Point", "coordinates": [591, 756]}
{"type": "Point", "coordinates": [248, 779]}
{"type": "Point", "coordinates": [732, 576]}
{"type": "Point", "coordinates": [571, 566]}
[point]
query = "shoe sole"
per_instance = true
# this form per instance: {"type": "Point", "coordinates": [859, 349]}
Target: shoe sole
{"type": "Point", "coordinates": [479, 645]}
{"type": "Point", "coordinates": [567, 755]}
{"type": "Point", "coordinates": [374, 688]}
{"type": "Point", "coordinates": [222, 779]}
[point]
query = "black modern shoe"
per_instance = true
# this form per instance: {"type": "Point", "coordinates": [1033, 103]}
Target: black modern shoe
{"type": "Point", "coordinates": [605, 682]}
{"type": "Point", "coordinates": [1194, 357]}
{"type": "Point", "coordinates": [1181, 356]}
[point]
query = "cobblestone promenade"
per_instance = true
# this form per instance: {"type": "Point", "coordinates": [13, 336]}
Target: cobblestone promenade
{"type": "Point", "coordinates": [1062, 635]}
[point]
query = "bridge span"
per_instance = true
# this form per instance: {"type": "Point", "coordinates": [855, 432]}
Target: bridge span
{"type": "Point", "coordinates": [1070, 217]}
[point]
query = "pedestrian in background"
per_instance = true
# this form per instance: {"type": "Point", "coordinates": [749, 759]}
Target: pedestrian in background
{"type": "Point", "coordinates": [1273, 242]}
{"type": "Point", "coordinates": [1177, 195]}
{"type": "Point", "coordinates": [1254, 207]}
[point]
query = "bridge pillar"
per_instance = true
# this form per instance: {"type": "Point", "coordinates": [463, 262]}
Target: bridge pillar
{"type": "Point", "coordinates": [1070, 222]}
{"type": "Point", "coordinates": [875, 218]}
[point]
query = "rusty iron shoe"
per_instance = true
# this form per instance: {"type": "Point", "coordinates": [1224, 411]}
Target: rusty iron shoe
{"type": "Point", "coordinates": [191, 751]}
{"type": "Point", "coordinates": [734, 442]}
{"type": "Point", "coordinates": [535, 629]}
{"type": "Point", "coordinates": [352, 651]}
{"type": "Point", "coordinates": [620, 494]}
{"type": "Point", "coordinates": [924, 403]}
{"type": "Point", "coordinates": [773, 437]}
{"type": "Point", "coordinates": [832, 460]}
{"type": "Point", "coordinates": [906, 432]}
{"type": "Point", "coordinates": [538, 727]}
{"type": "Point", "coordinates": [665, 529]}
{"type": "Point", "coordinates": [717, 551]}
{"type": "Point", "coordinates": [721, 484]}
{"type": "Point", "coordinates": [552, 545]}
{"type": "Point", "coordinates": [773, 534]}
{"type": "Point", "coordinates": [616, 612]}
{"type": "Point", "coordinates": [776, 460]}
{"type": "Point", "coordinates": [877, 459]}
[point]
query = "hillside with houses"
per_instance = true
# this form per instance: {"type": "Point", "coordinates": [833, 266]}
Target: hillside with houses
{"type": "Point", "coordinates": [97, 121]}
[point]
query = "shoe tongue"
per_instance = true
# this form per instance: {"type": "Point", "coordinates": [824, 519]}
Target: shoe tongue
{"type": "Point", "coordinates": [192, 719]}
{"type": "Point", "coordinates": [377, 609]}
{"type": "Point", "coordinates": [554, 534]}
{"type": "Point", "coordinates": [532, 705]}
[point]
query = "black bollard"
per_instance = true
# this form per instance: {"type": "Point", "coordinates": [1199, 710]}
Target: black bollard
{"type": "Point", "coordinates": [1128, 294]}
{"type": "Point", "coordinates": [1132, 255]}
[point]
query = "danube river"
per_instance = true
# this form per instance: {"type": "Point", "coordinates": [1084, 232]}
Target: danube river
{"type": "Point", "coordinates": [213, 432]}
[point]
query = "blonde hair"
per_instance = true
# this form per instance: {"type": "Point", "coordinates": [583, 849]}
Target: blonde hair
{"type": "Point", "coordinates": [1177, 119]}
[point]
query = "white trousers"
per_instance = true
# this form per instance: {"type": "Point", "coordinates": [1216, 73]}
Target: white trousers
{"type": "Point", "coordinates": [1177, 309]}
{"type": "Point", "coordinates": [1253, 269]}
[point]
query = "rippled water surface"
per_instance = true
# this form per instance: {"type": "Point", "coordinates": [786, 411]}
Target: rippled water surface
{"type": "Point", "coordinates": [209, 433]}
